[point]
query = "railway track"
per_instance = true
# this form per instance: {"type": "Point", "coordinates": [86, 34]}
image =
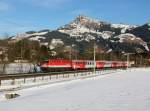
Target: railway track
{"type": "Point", "coordinates": [29, 75]}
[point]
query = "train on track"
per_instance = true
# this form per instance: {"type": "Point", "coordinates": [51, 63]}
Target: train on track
{"type": "Point", "coordinates": [66, 65]}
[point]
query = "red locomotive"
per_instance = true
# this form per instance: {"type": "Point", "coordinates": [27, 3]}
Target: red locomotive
{"type": "Point", "coordinates": [64, 65]}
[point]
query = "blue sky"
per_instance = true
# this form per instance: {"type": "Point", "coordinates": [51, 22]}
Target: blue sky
{"type": "Point", "coordinates": [23, 15]}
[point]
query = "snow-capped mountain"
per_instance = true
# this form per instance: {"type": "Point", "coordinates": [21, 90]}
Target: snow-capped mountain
{"type": "Point", "coordinates": [83, 24]}
{"type": "Point", "coordinates": [35, 36]}
{"type": "Point", "coordinates": [79, 27]}
{"type": "Point", "coordinates": [83, 30]}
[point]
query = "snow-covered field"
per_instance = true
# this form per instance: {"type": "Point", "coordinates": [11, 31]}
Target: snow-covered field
{"type": "Point", "coordinates": [121, 91]}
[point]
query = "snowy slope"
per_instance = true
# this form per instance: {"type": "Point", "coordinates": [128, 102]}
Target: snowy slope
{"type": "Point", "coordinates": [33, 37]}
{"type": "Point", "coordinates": [132, 39]}
{"type": "Point", "coordinates": [124, 91]}
{"type": "Point", "coordinates": [123, 27]}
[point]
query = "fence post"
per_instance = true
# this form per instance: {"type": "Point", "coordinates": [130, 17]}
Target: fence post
{"type": "Point", "coordinates": [24, 80]}
{"type": "Point", "coordinates": [62, 76]}
{"type": "Point", "coordinates": [34, 79]}
{"type": "Point", "coordinates": [68, 75]}
{"type": "Point", "coordinates": [50, 77]}
{"type": "Point", "coordinates": [13, 82]}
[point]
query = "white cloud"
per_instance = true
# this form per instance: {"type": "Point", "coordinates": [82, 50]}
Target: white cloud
{"type": "Point", "coordinates": [4, 6]}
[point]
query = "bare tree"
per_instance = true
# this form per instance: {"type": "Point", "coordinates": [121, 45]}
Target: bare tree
{"type": "Point", "coordinates": [3, 52]}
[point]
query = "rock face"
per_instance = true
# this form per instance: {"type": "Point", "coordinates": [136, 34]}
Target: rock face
{"type": "Point", "coordinates": [83, 30]}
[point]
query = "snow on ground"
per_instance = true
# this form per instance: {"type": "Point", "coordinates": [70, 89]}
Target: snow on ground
{"type": "Point", "coordinates": [121, 91]}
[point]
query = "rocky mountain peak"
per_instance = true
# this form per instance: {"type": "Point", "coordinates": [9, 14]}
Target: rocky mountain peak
{"type": "Point", "coordinates": [81, 19]}
{"type": "Point", "coordinates": [82, 30]}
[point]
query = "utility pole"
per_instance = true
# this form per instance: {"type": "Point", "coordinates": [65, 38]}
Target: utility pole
{"type": "Point", "coordinates": [22, 55]}
{"type": "Point", "coordinates": [70, 52]}
{"type": "Point", "coordinates": [141, 59]}
{"type": "Point", "coordinates": [94, 58]}
{"type": "Point", "coordinates": [128, 60]}
{"type": "Point", "coordinates": [77, 45]}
